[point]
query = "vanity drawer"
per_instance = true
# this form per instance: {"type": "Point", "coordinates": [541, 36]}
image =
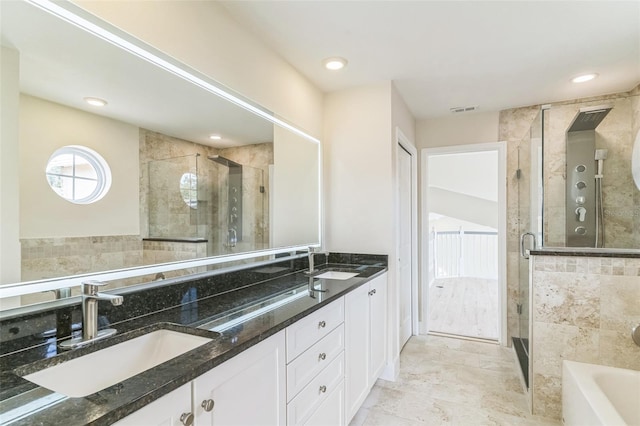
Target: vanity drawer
{"type": "Point", "coordinates": [305, 367]}
{"type": "Point", "coordinates": [306, 332]}
{"type": "Point", "coordinates": [300, 409]}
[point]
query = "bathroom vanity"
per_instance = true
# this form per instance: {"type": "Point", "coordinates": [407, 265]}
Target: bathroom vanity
{"type": "Point", "coordinates": [276, 353]}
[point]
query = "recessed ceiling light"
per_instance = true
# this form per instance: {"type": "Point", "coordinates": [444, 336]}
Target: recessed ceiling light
{"type": "Point", "coordinates": [95, 102]}
{"type": "Point", "coordinates": [335, 64]}
{"type": "Point", "coordinates": [215, 137]}
{"type": "Point", "coordinates": [584, 77]}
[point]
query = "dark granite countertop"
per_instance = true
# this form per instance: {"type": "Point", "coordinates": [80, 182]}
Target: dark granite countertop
{"type": "Point", "coordinates": [44, 407]}
{"type": "Point", "coordinates": [586, 252]}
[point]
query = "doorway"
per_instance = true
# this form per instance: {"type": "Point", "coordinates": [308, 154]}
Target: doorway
{"type": "Point", "coordinates": [464, 241]}
{"type": "Point", "coordinates": [407, 245]}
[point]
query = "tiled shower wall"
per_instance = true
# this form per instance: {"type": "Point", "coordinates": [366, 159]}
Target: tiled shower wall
{"type": "Point", "coordinates": [621, 198]}
{"type": "Point", "coordinates": [583, 309]}
{"type": "Point", "coordinates": [515, 129]}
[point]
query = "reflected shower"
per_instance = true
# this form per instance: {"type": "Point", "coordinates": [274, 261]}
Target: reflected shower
{"type": "Point", "coordinates": [234, 231]}
{"type": "Point", "coordinates": [584, 203]}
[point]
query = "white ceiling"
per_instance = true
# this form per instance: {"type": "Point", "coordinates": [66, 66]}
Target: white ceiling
{"type": "Point", "coordinates": [444, 54]}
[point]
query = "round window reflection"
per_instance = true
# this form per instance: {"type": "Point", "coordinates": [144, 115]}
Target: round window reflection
{"type": "Point", "coordinates": [189, 189]}
{"type": "Point", "coordinates": [78, 174]}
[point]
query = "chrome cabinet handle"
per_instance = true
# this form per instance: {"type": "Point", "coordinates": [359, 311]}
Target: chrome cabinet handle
{"type": "Point", "coordinates": [207, 404]}
{"type": "Point", "coordinates": [370, 293]}
{"type": "Point", "coordinates": [322, 356]}
{"type": "Point", "coordinates": [322, 324]}
{"type": "Point", "coordinates": [323, 389]}
{"type": "Point", "coordinates": [374, 291]}
{"type": "Point", "coordinates": [186, 419]}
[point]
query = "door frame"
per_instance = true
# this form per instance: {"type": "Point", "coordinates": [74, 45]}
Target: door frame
{"type": "Point", "coordinates": [402, 142]}
{"type": "Point", "coordinates": [501, 149]}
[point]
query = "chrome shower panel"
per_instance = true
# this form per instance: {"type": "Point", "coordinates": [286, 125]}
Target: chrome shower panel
{"type": "Point", "coordinates": [582, 177]}
{"type": "Point", "coordinates": [580, 191]}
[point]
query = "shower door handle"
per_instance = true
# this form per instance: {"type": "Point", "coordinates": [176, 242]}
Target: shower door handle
{"type": "Point", "coordinates": [525, 253]}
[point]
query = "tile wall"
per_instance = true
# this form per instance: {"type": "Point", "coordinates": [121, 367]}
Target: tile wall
{"type": "Point", "coordinates": [583, 309]}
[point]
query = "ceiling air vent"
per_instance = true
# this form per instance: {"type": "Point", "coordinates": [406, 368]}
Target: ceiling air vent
{"type": "Point", "coordinates": [457, 110]}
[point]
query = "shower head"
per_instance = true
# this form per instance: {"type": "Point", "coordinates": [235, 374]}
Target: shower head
{"type": "Point", "coordinates": [589, 118]}
{"type": "Point", "coordinates": [601, 154]}
{"type": "Point", "coordinates": [224, 161]}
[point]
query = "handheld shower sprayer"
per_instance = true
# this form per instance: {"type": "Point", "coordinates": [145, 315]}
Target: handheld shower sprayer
{"type": "Point", "coordinates": [601, 155]}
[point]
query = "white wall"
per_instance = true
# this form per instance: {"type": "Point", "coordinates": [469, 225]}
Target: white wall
{"type": "Point", "coordinates": [360, 182]}
{"type": "Point", "coordinates": [203, 35]}
{"type": "Point", "coordinates": [358, 170]}
{"type": "Point", "coordinates": [463, 207]}
{"type": "Point", "coordinates": [295, 189]}
{"type": "Point", "coordinates": [9, 155]}
{"type": "Point", "coordinates": [46, 126]}
{"type": "Point", "coordinates": [472, 174]}
{"type": "Point", "coordinates": [466, 128]}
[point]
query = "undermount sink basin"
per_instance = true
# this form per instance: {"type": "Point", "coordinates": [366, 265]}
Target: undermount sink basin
{"type": "Point", "coordinates": [98, 370]}
{"type": "Point", "coordinates": [337, 275]}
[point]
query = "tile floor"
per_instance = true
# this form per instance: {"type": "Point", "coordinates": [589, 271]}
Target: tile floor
{"type": "Point", "coordinates": [452, 382]}
{"type": "Point", "coordinates": [464, 306]}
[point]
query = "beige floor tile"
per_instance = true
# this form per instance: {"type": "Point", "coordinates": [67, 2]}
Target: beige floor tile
{"type": "Point", "coordinates": [445, 381]}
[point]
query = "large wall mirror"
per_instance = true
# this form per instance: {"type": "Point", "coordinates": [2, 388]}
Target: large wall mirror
{"type": "Point", "coordinates": [193, 174]}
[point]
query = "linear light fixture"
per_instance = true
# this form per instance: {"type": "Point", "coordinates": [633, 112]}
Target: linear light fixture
{"type": "Point", "coordinates": [57, 10]}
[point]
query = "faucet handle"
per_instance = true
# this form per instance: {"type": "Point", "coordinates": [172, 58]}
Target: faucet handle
{"type": "Point", "coordinates": [91, 287]}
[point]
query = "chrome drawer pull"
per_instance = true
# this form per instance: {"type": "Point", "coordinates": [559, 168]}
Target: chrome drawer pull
{"type": "Point", "coordinates": [322, 356]}
{"type": "Point", "coordinates": [207, 404]}
{"type": "Point", "coordinates": [323, 389]}
{"type": "Point", "coordinates": [186, 419]}
{"type": "Point", "coordinates": [322, 324]}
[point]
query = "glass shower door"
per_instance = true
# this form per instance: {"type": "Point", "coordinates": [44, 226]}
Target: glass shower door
{"type": "Point", "coordinates": [529, 178]}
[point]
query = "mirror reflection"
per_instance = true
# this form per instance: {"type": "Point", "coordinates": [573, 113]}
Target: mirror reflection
{"type": "Point", "coordinates": [192, 175]}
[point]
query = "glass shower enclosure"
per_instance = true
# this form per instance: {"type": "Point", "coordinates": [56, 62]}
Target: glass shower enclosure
{"type": "Point", "coordinates": [217, 205]}
{"type": "Point", "coordinates": [529, 221]}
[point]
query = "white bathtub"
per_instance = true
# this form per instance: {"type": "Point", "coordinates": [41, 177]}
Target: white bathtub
{"type": "Point", "coordinates": [599, 395]}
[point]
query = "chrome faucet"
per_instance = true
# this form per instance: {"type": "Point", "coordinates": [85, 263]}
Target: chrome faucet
{"type": "Point", "coordinates": [312, 267]}
{"type": "Point", "coordinates": [90, 333]}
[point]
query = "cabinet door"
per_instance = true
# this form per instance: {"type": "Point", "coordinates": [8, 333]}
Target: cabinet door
{"type": "Point", "coordinates": [165, 411]}
{"type": "Point", "coordinates": [302, 334]}
{"type": "Point", "coordinates": [331, 411]}
{"type": "Point", "coordinates": [304, 405]}
{"type": "Point", "coordinates": [357, 343]}
{"type": "Point", "coordinates": [313, 360]}
{"type": "Point", "coordinates": [249, 389]}
{"type": "Point", "coordinates": [378, 304]}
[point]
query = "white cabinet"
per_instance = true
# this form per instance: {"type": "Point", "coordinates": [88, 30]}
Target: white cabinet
{"type": "Point", "coordinates": [316, 368]}
{"type": "Point", "coordinates": [304, 333]}
{"type": "Point", "coordinates": [248, 389]}
{"type": "Point", "coordinates": [365, 340]}
{"type": "Point", "coordinates": [331, 411]}
{"type": "Point", "coordinates": [165, 411]}
{"type": "Point", "coordinates": [317, 371]}
{"type": "Point", "coordinates": [378, 315]}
